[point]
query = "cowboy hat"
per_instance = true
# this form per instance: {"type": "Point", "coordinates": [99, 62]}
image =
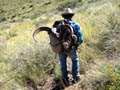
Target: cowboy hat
{"type": "Point", "coordinates": [67, 11]}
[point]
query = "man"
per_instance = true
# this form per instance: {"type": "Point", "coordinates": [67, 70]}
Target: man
{"type": "Point", "coordinates": [73, 54]}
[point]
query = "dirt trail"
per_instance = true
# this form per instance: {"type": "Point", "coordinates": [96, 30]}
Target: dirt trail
{"type": "Point", "coordinates": [51, 85]}
{"type": "Point", "coordinates": [84, 83]}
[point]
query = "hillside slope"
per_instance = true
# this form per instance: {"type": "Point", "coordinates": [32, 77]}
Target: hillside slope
{"type": "Point", "coordinates": [27, 65]}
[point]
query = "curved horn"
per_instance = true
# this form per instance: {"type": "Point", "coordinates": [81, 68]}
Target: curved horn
{"type": "Point", "coordinates": [48, 29]}
{"type": "Point", "coordinates": [70, 28]}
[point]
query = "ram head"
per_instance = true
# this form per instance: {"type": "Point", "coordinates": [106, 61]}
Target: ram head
{"type": "Point", "coordinates": [60, 42]}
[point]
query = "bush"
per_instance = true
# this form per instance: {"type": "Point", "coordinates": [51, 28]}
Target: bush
{"type": "Point", "coordinates": [112, 82]}
{"type": "Point", "coordinates": [11, 34]}
{"type": "Point", "coordinates": [70, 4]}
{"type": "Point", "coordinates": [110, 39]}
{"type": "Point", "coordinates": [33, 63]}
{"type": "Point", "coordinates": [90, 1]}
{"type": "Point", "coordinates": [28, 64]}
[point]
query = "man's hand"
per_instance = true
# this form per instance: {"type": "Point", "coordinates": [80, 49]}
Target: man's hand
{"type": "Point", "coordinates": [74, 38]}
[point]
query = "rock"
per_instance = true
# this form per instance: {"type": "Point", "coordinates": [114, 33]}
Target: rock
{"type": "Point", "coordinates": [31, 6]}
{"type": "Point", "coordinates": [13, 16]}
{"type": "Point", "coordinates": [47, 3]}
{"type": "Point", "coordinates": [2, 19]}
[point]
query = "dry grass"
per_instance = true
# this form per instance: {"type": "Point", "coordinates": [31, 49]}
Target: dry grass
{"type": "Point", "coordinates": [24, 59]}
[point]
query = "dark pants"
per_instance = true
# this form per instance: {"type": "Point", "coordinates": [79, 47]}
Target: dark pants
{"type": "Point", "coordinates": [73, 54]}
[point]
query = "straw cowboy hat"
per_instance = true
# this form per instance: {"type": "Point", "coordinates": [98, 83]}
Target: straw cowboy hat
{"type": "Point", "coordinates": [67, 11]}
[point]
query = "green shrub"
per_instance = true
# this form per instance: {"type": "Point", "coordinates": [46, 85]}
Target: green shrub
{"type": "Point", "coordinates": [91, 1]}
{"type": "Point", "coordinates": [33, 63]}
{"type": "Point", "coordinates": [69, 3]}
{"type": "Point", "coordinates": [116, 80]}
{"type": "Point", "coordinates": [112, 72]}
{"type": "Point", "coordinates": [110, 42]}
{"type": "Point", "coordinates": [11, 34]}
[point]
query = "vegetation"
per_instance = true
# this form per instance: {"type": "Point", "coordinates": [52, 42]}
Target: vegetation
{"type": "Point", "coordinates": [25, 64]}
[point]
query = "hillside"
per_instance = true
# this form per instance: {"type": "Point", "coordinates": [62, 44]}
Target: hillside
{"type": "Point", "coordinates": [27, 65]}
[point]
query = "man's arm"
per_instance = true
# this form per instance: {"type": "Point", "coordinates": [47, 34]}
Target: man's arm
{"type": "Point", "coordinates": [79, 35]}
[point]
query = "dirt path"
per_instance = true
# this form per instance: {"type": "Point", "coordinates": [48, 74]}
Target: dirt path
{"type": "Point", "coordinates": [85, 80]}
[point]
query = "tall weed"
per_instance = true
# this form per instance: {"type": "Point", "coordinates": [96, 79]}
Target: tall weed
{"type": "Point", "coordinates": [110, 39]}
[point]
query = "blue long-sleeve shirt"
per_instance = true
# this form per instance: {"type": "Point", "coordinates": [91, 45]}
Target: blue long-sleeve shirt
{"type": "Point", "coordinates": [77, 32]}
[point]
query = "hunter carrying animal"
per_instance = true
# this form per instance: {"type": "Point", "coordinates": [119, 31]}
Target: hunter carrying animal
{"type": "Point", "coordinates": [65, 37]}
